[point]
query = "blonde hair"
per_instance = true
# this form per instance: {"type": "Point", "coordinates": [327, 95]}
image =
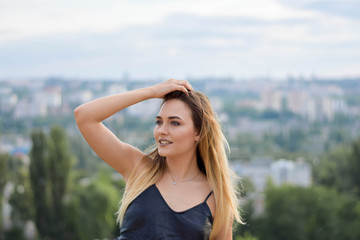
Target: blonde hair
{"type": "Point", "coordinates": [211, 158]}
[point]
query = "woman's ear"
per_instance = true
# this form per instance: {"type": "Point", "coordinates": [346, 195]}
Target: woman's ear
{"type": "Point", "coordinates": [197, 137]}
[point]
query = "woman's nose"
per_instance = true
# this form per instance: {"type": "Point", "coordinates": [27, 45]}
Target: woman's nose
{"type": "Point", "coordinates": [163, 130]}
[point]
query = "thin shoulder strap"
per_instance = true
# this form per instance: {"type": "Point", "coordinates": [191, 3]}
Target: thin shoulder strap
{"type": "Point", "coordinates": [208, 196]}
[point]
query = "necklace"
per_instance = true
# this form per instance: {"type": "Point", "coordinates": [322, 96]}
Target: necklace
{"type": "Point", "coordinates": [175, 182]}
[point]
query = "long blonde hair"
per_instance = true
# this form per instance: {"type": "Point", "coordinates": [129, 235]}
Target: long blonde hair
{"type": "Point", "coordinates": [211, 158]}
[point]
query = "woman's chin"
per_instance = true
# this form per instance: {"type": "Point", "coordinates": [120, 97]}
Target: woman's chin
{"type": "Point", "coordinates": [163, 153]}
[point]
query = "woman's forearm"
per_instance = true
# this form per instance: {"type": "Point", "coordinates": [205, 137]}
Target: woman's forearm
{"type": "Point", "coordinates": [102, 108]}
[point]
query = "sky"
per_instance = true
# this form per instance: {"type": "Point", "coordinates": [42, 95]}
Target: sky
{"type": "Point", "coordinates": [151, 39]}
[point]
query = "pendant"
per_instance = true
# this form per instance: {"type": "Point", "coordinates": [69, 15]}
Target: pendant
{"type": "Point", "coordinates": [174, 183]}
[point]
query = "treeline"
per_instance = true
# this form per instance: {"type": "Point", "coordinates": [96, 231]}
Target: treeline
{"type": "Point", "coordinates": [56, 192]}
{"type": "Point", "coordinates": [71, 194]}
{"type": "Point", "coordinates": [328, 210]}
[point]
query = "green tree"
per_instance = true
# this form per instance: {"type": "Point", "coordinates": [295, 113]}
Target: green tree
{"type": "Point", "coordinates": [242, 231]}
{"type": "Point", "coordinates": [354, 167]}
{"type": "Point", "coordinates": [247, 144]}
{"type": "Point", "coordinates": [79, 209]}
{"type": "Point", "coordinates": [87, 161]}
{"type": "Point", "coordinates": [246, 237]}
{"type": "Point", "coordinates": [308, 213]}
{"type": "Point", "coordinates": [91, 207]}
{"type": "Point", "coordinates": [49, 172]}
{"type": "Point", "coordinates": [340, 168]}
{"type": "Point", "coordinates": [3, 179]}
{"type": "Point", "coordinates": [39, 182]}
{"type": "Point", "coordinates": [293, 141]}
{"type": "Point", "coordinates": [332, 169]}
{"type": "Point", "coordinates": [336, 137]}
{"type": "Point", "coordinates": [58, 168]}
{"type": "Point", "coordinates": [296, 140]}
{"type": "Point", "coordinates": [21, 198]}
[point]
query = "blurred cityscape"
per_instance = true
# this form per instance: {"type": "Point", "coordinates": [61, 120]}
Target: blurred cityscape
{"type": "Point", "coordinates": [244, 107]}
{"type": "Point", "coordinates": [313, 100]}
{"type": "Point", "coordinates": [276, 130]}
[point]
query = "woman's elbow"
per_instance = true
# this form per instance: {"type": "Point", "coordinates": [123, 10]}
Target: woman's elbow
{"type": "Point", "coordinates": [79, 115]}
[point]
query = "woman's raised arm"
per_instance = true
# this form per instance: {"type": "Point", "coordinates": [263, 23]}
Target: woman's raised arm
{"type": "Point", "coordinates": [89, 116]}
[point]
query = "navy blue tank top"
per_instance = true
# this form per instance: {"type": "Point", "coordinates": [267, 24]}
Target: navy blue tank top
{"type": "Point", "coordinates": [149, 217]}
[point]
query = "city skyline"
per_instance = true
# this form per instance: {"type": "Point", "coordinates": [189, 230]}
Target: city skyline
{"type": "Point", "coordinates": [165, 39]}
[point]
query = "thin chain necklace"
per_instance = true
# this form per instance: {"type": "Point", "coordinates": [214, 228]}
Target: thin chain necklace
{"type": "Point", "coordinates": [175, 182]}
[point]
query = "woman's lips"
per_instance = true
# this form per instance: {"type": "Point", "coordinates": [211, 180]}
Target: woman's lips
{"type": "Point", "coordinates": [163, 142]}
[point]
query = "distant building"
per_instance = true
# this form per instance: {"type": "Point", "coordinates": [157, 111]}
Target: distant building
{"type": "Point", "coordinates": [271, 99]}
{"type": "Point", "coordinates": [79, 97]}
{"type": "Point", "coordinates": [8, 99]}
{"type": "Point", "coordinates": [25, 109]}
{"type": "Point", "coordinates": [289, 172]}
{"type": "Point", "coordinates": [297, 101]}
{"type": "Point", "coordinates": [248, 103]}
{"type": "Point", "coordinates": [281, 171]}
{"type": "Point", "coordinates": [331, 106]}
{"type": "Point", "coordinates": [257, 171]}
{"type": "Point", "coordinates": [51, 96]}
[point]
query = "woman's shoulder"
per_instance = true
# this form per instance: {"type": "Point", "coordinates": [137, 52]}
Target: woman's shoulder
{"type": "Point", "coordinates": [208, 191]}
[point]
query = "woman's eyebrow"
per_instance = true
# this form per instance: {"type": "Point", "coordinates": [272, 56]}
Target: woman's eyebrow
{"type": "Point", "coordinates": [170, 117]}
{"type": "Point", "coordinates": [174, 117]}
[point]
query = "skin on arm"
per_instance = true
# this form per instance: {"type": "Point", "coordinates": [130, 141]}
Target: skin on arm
{"type": "Point", "coordinates": [89, 116]}
{"type": "Point", "coordinates": [226, 234]}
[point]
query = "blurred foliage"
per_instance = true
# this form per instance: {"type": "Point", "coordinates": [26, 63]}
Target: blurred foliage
{"type": "Point", "coordinates": [308, 213]}
{"type": "Point", "coordinates": [91, 207]}
{"type": "Point", "coordinates": [64, 202]}
{"type": "Point", "coordinates": [340, 169]}
{"type": "Point", "coordinates": [13, 126]}
{"type": "Point", "coordinates": [330, 209]}
{"type": "Point", "coordinates": [292, 144]}
{"type": "Point", "coordinates": [3, 180]}
{"type": "Point", "coordinates": [87, 191]}
{"type": "Point", "coordinates": [39, 183]}
{"type": "Point", "coordinates": [86, 159]}
{"type": "Point", "coordinates": [20, 200]}
{"type": "Point", "coordinates": [247, 236]}
{"type": "Point", "coordinates": [59, 163]}
{"type": "Point", "coordinates": [352, 100]}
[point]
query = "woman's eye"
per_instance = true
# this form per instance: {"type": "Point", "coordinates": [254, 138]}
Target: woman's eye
{"type": "Point", "coordinates": [158, 122]}
{"type": "Point", "coordinates": [175, 123]}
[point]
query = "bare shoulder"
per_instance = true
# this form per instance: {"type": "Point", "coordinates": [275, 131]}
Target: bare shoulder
{"type": "Point", "coordinates": [211, 203]}
{"type": "Point", "coordinates": [206, 189]}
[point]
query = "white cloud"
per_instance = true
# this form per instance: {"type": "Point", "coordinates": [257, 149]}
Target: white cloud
{"type": "Point", "coordinates": [23, 18]}
{"type": "Point", "coordinates": [239, 37]}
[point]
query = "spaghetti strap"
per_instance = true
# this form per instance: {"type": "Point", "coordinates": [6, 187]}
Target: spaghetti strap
{"type": "Point", "coordinates": [208, 196]}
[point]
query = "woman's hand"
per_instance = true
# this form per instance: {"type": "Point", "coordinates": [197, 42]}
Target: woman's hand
{"type": "Point", "coordinates": [161, 89]}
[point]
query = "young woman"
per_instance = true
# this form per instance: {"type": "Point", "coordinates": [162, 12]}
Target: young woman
{"type": "Point", "coordinates": [181, 190]}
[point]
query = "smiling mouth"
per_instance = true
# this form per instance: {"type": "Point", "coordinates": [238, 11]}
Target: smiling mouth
{"type": "Point", "coordinates": [164, 142]}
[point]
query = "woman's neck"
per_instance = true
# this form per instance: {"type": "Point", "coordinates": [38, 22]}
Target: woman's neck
{"type": "Point", "coordinates": [182, 168]}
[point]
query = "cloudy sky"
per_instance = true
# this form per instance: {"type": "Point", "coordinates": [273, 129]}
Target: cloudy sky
{"type": "Point", "coordinates": [179, 39]}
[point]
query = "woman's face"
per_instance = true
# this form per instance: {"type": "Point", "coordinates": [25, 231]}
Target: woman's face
{"type": "Point", "coordinates": [175, 133]}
